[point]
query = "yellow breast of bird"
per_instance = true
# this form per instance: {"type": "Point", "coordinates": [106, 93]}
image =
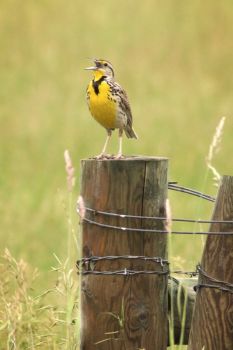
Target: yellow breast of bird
{"type": "Point", "coordinates": [102, 106]}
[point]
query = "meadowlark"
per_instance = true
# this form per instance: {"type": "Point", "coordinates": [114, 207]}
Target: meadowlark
{"type": "Point", "coordinates": [108, 104]}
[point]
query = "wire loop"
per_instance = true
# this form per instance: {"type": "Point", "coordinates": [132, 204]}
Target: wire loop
{"type": "Point", "coordinates": [214, 282]}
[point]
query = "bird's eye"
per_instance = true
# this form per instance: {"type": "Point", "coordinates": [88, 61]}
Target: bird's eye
{"type": "Point", "coordinates": [105, 64]}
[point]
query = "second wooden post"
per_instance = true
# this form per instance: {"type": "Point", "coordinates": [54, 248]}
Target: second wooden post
{"type": "Point", "coordinates": [124, 311]}
{"type": "Point", "coordinates": [212, 323]}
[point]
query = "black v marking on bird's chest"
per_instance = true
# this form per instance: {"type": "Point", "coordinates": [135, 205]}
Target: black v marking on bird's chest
{"type": "Point", "coordinates": [96, 84]}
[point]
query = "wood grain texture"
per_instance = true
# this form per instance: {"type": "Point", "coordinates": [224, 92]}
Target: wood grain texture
{"type": "Point", "coordinates": [212, 324]}
{"type": "Point", "coordinates": [136, 186]}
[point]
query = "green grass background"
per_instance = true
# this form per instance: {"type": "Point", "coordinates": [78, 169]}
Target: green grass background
{"type": "Point", "coordinates": [175, 61]}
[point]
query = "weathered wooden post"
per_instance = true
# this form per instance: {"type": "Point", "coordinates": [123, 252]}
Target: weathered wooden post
{"type": "Point", "coordinates": [212, 323]}
{"type": "Point", "coordinates": [124, 311]}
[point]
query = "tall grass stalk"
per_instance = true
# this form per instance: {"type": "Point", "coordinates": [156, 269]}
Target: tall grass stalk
{"type": "Point", "coordinates": [70, 185]}
{"type": "Point", "coordinates": [213, 150]}
{"type": "Point", "coordinates": [72, 254]}
{"type": "Point", "coordinates": [45, 320]}
{"type": "Point", "coordinates": [26, 321]}
{"type": "Point", "coordinates": [81, 211]}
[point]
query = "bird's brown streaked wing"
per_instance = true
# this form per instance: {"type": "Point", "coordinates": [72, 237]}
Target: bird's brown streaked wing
{"type": "Point", "coordinates": [124, 103]}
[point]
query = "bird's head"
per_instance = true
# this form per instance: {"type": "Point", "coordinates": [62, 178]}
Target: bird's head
{"type": "Point", "coordinates": [101, 68]}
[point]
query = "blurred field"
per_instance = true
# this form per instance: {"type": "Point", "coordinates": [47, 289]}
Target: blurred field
{"type": "Point", "coordinates": [174, 60]}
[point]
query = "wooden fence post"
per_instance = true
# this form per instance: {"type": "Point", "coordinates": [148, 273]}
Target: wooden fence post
{"type": "Point", "coordinates": [124, 312]}
{"type": "Point", "coordinates": [212, 323]}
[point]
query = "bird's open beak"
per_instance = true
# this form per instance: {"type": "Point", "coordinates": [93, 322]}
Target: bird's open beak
{"type": "Point", "coordinates": [91, 68]}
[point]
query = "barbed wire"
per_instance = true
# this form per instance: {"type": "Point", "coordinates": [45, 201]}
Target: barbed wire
{"type": "Point", "coordinates": [85, 262]}
{"type": "Point", "coordinates": [213, 279]}
{"type": "Point", "coordinates": [124, 272]}
{"type": "Point", "coordinates": [86, 266]}
{"type": "Point", "coordinates": [214, 286]}
{"type": "Point", "coordinates": [94, 258]}
{"type": "Point", "coordinates": [188, 273]}
{"type": "Point", "coordinates": [215, 283]}
{"type": "Point", "coordinates": [89, 263]}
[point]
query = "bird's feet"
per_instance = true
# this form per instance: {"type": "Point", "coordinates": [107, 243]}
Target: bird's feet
{"type": "Point", "coordinates": [102, 156]}
{"type": "Point", "coordinates": [119, 156]}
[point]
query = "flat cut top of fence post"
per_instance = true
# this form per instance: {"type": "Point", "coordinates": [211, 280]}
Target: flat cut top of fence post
{"type": "Point", "coordinates": [127, 158]}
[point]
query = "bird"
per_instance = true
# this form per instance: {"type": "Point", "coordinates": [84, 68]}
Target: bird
{"type": "Point", "coordinates": [109, 104]}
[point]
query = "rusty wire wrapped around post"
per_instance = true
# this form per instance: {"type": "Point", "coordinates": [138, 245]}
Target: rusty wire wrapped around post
{"type": "Point", "coordinates": [207, 281]}
{"type": "Point", "coordinates": [86, 266]}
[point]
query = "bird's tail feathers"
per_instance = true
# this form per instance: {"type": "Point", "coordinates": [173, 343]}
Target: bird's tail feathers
{"type": "Point", "coordinates": [130, 133]}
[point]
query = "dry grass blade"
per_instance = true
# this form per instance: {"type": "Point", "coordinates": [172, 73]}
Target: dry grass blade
{"type": "Point", "coordinates": [28, 321]}
{"type": "Point", "coordinates": [69, 170]}
{"type": "Point", "coordinates": [213, 149]}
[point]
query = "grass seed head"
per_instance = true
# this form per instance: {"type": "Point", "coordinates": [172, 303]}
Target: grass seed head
{"type": "Point", "coordinates": [69, 170]}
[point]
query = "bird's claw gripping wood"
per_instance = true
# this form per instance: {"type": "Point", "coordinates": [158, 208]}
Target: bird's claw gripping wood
{"type": "Point", "coordinates": [103, 156]}
{"type": "Point", "coordinates": [108, 156]}
{"type": "Point", "coordinates": [108, 104]}
{"type": "Point", "coordinates": [119, 156]}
